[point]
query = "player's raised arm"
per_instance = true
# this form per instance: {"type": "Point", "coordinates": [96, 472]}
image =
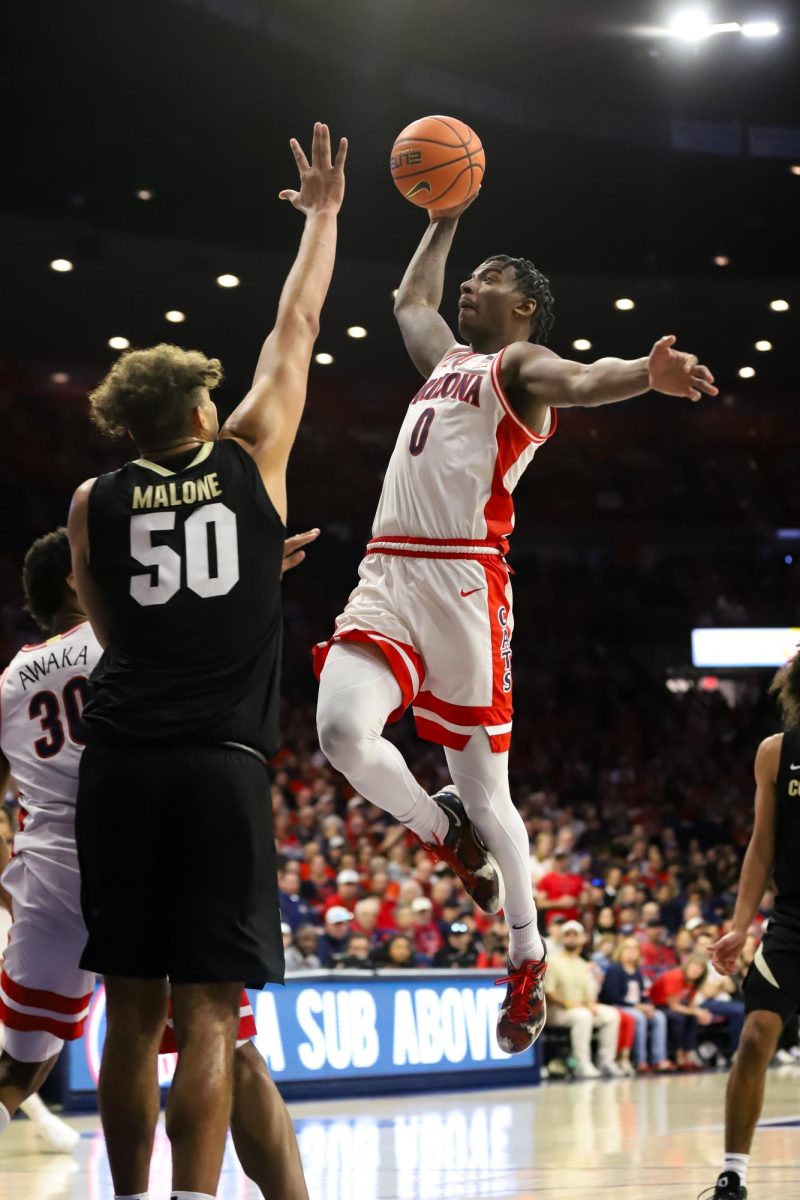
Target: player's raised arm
{"type": "Point", "coordinates": [266, 421]}
{"type": "Point", "coordinates": [425, 332]}
{"type": "Point", "coordinates": [537, 378]}
{"type": "Point", "coordinates": [758, 861]}
{"type": "Point", "coordinates": [85, 586]}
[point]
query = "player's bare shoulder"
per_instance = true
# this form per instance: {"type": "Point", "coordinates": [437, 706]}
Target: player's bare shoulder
{"type": "Point", "coordinates": [768, 759]}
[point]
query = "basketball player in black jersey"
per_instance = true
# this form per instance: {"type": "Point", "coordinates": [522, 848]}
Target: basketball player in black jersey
{"type": "Point", "coordinates": [177, 560]}
{"type": "Point", "coordinates": [772, 986]}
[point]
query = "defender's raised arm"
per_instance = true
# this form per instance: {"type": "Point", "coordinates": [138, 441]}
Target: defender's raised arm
{"type": "Point", "coordinates": [266, 421]}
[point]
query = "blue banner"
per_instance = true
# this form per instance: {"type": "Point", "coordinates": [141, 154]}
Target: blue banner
{"type": "Point", "coordinates": [355, 1026]}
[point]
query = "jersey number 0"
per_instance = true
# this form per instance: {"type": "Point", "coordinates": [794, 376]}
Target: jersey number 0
{"type": "Point", "coordinates": [163, 580]}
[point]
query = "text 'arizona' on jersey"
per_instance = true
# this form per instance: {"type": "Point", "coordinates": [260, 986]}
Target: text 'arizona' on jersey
{"type": "Point", "coordinates": [187, 559]}
{"type": "Point", "coordinates": [42, 734]}
{"type": "Point", "coordinates": [459, 456]}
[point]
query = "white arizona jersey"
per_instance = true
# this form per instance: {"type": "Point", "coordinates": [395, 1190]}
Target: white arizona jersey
{"type": "Point", "coordinates": [41, 734]}
{"type": "Point", "coordinates": [459, 456]}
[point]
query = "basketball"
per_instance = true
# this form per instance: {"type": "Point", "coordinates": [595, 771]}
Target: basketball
{"type": "Point", "coordinates": [437, 162]}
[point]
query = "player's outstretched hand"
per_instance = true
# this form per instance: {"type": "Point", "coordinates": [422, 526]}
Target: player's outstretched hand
{"type": "Point", "coordinates": [726, 950]}
{"type": "Point", "coordinates": [451, 214]}
{"type": "Point", "coordinates": [293, 552]}
{"type": "Point", "coordinates": [677, 374]}
{"type": "Point", "coordinates": [321, 180]}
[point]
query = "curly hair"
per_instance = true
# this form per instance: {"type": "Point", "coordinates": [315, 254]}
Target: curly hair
{"type": "Point", "coordinates": [786, 686]}
{"type": "Point", "coordinates": [536, 286]}
{"type": "Point", "coordinates": [44, 572]}
{"type": "Point", "coordinates": [150, 393]}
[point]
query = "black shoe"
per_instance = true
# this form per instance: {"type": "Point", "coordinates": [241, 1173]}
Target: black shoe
{"type": "Point", "coordinates": [463, 851]}
{"type": "Point", "coordinates": [727, 1187]}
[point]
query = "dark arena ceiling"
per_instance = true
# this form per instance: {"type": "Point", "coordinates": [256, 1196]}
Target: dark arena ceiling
{"type": "Point", "coordinates": [621, 159]}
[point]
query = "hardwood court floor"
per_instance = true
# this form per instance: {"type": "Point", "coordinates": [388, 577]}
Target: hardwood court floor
{"type": "Point", "coordinates": [631, 1140]}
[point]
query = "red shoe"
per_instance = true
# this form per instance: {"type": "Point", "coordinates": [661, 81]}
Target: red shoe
{"type": "Point", "coordinates": [523, 1012]}
{"type": "Point", "coordinates": [644, 1069]}
{"type": "Point", "coordinates": [463, 851]}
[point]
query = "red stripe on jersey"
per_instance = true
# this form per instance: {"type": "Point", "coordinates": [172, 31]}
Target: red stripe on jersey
{"type": "Point", "coordinates": [38, 998]}
{"type": "Point", "coordinates": [393, 651]}
{"type": "Point", "coordinates": [431, 731]}
{"type": "Point", "coordinates": [247, 1027]}
{"type": "Point", "coordinates": [496, 379]}
{"type": "Point", "coordinates": [420, 541]}
{"type": "Point", "coordinates": [501, 623]}
{"type": "Point", "coordinates": [28, 1023]}
{"type": "Point", "coordinates": [513, 439]}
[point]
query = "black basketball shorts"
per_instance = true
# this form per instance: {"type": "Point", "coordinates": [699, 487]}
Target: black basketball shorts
{"type": "Point", "coordinates": [177, 858]}
{"type": "Point", "coordinates": [773, 981]}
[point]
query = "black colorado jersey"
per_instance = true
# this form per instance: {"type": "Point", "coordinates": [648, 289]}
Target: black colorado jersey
{"type": "Point", "coordinates": [188, 562]}
{"type": "Point", "coordinates": [787, 826]}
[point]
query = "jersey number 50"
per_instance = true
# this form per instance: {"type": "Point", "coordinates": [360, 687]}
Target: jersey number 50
{"type": "Point", "coordinates": [162, 581]}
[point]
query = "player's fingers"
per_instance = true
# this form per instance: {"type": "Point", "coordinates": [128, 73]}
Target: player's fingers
{"type": "Point", "coordinates": [704, 373]}
{"type": "Point", "coordinates": [315, 144]}
{"type": "Point", "coordinates": [667, 340]}
{"type": "Point", "coordinates": [325, 146]}
{"type": "Point", "coordinates": [693, 394]}
{"type": "Point", "coordinates": [341, 154]}
{"type": "Point", "coordinates": [299, 539]}
{"type": "Point", "coordinates": [704, 386]}
{"type": "Point", "coordinates": [299, 154]}
{"type": "Point", "coordinates": [288, 194]}
{"type": "Point", "coordinates": [690, 362]}
{"type": "Point", "coordinates": [293, 560]}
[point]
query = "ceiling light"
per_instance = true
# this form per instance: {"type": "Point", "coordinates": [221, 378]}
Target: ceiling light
{"type": "Point", "coordinates": [795, 169]}
{"type": "Point", "coordinates": [228, 281]}
{"type": "Point", "coordinates": [763, 345]}
{"type": "Point", "coordinates": [581, 344]}
{"type": "Point", "coordinates": [356, 331]}
{"type": "Point", "coordinates": [59, 377]}
{"type": "Point", "coordinates": [118, 343]}
{"type": "Point", "coordinates": [692, 25]}
{"type": "Point", "coordinates": [323, 358]}
{"type": "Point", "coordinates": [624, 304]}
{"type": "Point", "coordinates": [61, 264]}
{"type": "Point", "coordinates": [144, 194]}
{"type": "Point", "coordinates": [746, 372]}
{"type": "Point", "coordinates": [175, 316]}
{"type": "Point", "coordinates": [779, 305]}
{"type": "Point", "coordinates": [760, 29]}
{"type": "Point", "coordinates": [721, 260]}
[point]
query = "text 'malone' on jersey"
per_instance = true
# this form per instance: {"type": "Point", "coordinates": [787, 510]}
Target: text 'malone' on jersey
{"type": "Point", "coordinates": [188, 562]}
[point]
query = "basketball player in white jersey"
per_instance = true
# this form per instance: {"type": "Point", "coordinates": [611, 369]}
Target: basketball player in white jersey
{"type": "Point", "coordinates": [429, 624]}
{"type": "Point", "coordinates": [44, 995]}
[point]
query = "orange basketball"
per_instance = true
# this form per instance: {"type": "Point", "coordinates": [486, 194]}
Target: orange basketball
{"type": "Point", "coordinates": [438, 162]}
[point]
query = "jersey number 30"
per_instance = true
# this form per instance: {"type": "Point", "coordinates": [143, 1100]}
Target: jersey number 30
{"type": "Point", "coordinates": [162, 581]}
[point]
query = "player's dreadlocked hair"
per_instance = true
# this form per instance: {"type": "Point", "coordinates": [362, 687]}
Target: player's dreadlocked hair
{"type": "Point", "coordinates": [44, 571]}
{"type": "Point", "coordinates": [536, 285]}
{"type": "Point", "coordinates": [150, 393]}
{"type": "Point", "coordinates": [786, 686]}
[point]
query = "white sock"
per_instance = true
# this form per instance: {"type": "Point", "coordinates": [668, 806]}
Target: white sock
{"type": "Point", "coordinates": [357, 693]}
{"type": "Point", "coordinates": [36, 1110]}
{"type": "Point", "coordinates": [191, 1196]}
{"type": "Point", "coordinates": [5, 1119]}
{"type": "Point", "coordinates": [481, 777]}
{"type": "Point", "coordinates": [737, 1163]}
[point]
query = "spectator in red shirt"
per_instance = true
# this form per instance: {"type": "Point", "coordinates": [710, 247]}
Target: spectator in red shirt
{"type": "Point", "coordinates": [674, 993]}
{"type": "Point", "coordinates": [561, 893]}
{"type": "Point", "coordinates": [427, 937]}
{"type": "Point", "coordinates": [348, 891]}
{"type": "Point", "coordinates": [657, 954]}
